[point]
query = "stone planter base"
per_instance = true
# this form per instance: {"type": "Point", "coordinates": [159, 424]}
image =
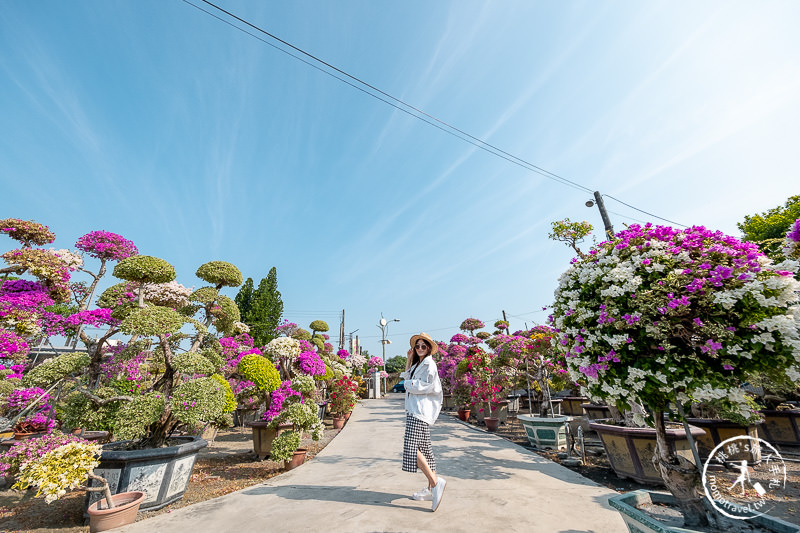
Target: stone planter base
{"type": "Point", "coordinates": [641, 522]}
{"type": "Point", "coordinates": [630, 450]}
{"type": "Point", "coordinates": [161, 473]}
{"type": "Point", "coordinates": [545, 432]}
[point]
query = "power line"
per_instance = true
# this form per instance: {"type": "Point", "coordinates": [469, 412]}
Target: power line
{"type": "Point", "coordinates": [627, 217]}
{"type": "Point", "coordinates": [645, 212]}
{"type": "Point", "coordinates": [406, 107]}
{"type": "Point", "coordinates": [437, 123]}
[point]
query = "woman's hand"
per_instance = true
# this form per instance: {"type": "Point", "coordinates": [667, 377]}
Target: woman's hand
{"type": "Point", "coordinates": [409, 358]}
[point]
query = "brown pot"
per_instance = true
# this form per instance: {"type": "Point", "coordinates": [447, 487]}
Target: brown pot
{"type": "Point", "coordinates": [25, 436]}
{"type": "Point", "coordinates": [347, 415]}
{"type": "Point", "coordinates": [463, 414]}
{"type": "Point", "coordinates": [492, 423]}
{"type": "Point", "coordinates": [127, 505]}
{"type": "Point", "coordinates": [338, 422]}
{"type": "Point", "coordinates": [298, 458]}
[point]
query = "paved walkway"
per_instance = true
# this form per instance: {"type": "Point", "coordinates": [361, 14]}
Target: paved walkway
{"type": "Point", "coordinates": [355, 485]}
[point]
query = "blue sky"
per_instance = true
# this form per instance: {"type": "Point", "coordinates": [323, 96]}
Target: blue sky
{"type": "Point", "coordinates": [198, 142]}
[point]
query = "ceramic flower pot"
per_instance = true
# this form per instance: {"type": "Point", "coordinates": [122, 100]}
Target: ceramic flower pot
{"type": "Point", "coordinates": [571, 405]}
{"type": "Point", "coordinates": [639, 521]}
{"type": "Point", "coordinates": [463, 414]}
{"type": "Point", "coordinates": [21, 435]}
{"type": "Point", "coordinates": [338, 422]}
{"type": "Point", "coordinates": [630, 450]}
{"type": "Point", "coordinates": [124, 513]}
{"type": "Point", "coordinates": [781, 427]}
{"type": "Point", "coordinates": [298, 458]}
{"type": "Point", "coordinates": [717, 431]}
{"type": "Point", "coordinates": [545, 432]}
{"type": "Point", "coordinates": [596, 412]}
{"type": "Point", "coordinates": [492, 423]}
{"type": "Point", "coordinates": [263, 435]}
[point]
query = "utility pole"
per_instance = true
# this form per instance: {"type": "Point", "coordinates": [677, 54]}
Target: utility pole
{"type": "Point", "coordinates": [341, 332]}
{"type": "Point", "coordinates": [604, 215]}
{"type": "Point", "coordinates": [508, 329]}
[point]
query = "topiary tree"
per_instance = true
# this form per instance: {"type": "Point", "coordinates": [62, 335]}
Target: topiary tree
{"type": "Point", "coordinates": [318, 326]}
{"type": "Point", "coordinates": [220, 274]}
{"type": "Point", "coordinates": [768, 229]}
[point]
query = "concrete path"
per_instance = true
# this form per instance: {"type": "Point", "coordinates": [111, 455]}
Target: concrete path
{"type": "Point", "coordinates": [356, 485]}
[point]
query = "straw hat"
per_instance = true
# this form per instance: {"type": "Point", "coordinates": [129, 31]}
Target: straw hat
{"type": "Point", "coordinates": [424, 336]}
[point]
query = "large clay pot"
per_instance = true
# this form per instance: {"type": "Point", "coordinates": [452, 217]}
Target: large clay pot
{"type": "Point", "coordinates": [161, 473]}
{"type": "Point", "coordinates": [596, 412]}
{"type": "Point", "coordinates": [492, 423]}
{"type": "Point", "coordinates": [781, 427]}
{"type": "Point", "coordinates": [124, 513]}
{"type": "Point", "coordinates": [571, 405]}
{"type": "Point", "coordinates": [263, 435]}
{"type": "Point", "coordinates": [463, 414]}
{"type": "Point", "coordinates": [717, 431]}
{"type": "Point", "coordinates": [298, 458]}
{"type": "Point", "coordinates": [630, 450]}
{"type": "Point", "coordinates": [338, 422]}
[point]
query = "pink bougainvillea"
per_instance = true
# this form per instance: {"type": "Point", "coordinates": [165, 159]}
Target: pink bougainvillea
{"type": "Point", "coordinates": [106, 246]}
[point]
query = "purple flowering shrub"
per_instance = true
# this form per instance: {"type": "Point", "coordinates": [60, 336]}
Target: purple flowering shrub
{"type": "Point", "coordinates": [12, 347]}
{"type": "Point", "coordinates": [106, 246]}
{"type": "Point", "coordinates": [280, 399]}
{"type": "Point", "coordinates": [310, 363]}
{"type": "Point", "coordinates": [374, 362]}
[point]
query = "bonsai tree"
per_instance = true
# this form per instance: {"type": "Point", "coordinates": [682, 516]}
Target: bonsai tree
{"type": "Point", "coordinates": [667, 316]}
{"type": "Point", "coordinates": [178, 373]}
{"type": "Point", "coordinates": [768, 229]}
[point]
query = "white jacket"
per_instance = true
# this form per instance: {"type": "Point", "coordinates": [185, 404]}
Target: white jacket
{"type": "Point", "coordinates": [423, 391]}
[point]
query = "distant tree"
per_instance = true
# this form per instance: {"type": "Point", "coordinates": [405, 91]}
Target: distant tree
{"type": "Point", "coordinates": [395, 364]}
{"type": "Point", "coordinates": [244, 298]}
{"type": "Point", "coordinates": [261, 308]}
{"type": "Point", "coordinates": [769, 228]}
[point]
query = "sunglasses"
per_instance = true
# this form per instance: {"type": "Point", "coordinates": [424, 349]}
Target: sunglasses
{"type": "Point", "coordinates": [421, 345]}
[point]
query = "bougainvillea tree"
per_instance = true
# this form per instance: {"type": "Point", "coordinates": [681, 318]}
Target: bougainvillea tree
{"type": "Point", "coordinates": [662, 315]}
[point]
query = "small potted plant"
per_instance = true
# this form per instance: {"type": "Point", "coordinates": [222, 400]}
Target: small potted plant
{"type": "Point", "coordinates": [343, 399]}
{"type": "Point", "coordinates": [61, 463]}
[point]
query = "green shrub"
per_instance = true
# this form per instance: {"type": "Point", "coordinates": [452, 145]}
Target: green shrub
{"type": "Point", "coordinates": [152, 321]}
{"type": "Point", "coordinates": [204, 295]}
{"type": "Point", "coordinates": [260, 371]}
{"type": "Point", "coordinates": [144, 269]}
{"type": "Point", "coordinates": [199, 400]}
{"type": "Point", "coordinates": [78, 411]}
{"type": "Point", "coordinates": [230, 398]}
{"type": "Point", "coordinates": [54, 369]}
{"type": "Point", "coordinates": [135, 417]}
{"type": "Point", "coordinates": [220, 273]}
{"type": "Point", "coordinates": [192, 363]}
{"type": "Point", "coordinates": [318, 325]}
{"type": "Point", "coordinates": [284, 446]}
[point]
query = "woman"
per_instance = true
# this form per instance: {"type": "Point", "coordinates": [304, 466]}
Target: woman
{"type": "Point", "coordinates": [423, 403]}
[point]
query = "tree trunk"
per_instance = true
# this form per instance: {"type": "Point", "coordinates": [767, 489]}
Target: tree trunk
{"type": "Point", "coordinates": [681, 477]}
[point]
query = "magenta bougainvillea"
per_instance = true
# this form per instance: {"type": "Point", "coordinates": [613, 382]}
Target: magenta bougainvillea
{"type": "Point", "coordinates": [278, 398]}
{"type": "Point", "coordinates": [27, 232]}
{"type": "Point", "coordinates": [310, 363]}
{"type": "Point", "coordinates": [107, 246]}
{"type": "Point", "coordinates": [12, 346]}
{"type": "Point", "coordinates": [343, 354]}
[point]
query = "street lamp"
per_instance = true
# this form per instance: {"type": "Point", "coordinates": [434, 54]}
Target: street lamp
{"type": "Point", "coordinates": [384, 324]}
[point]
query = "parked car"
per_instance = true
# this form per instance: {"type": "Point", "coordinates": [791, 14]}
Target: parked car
{"type": "Point", "coordinates": [400, 387]}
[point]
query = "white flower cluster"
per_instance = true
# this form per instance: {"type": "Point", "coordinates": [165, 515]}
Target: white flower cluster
{"type": "Point", "coordinates": [283, 347]}
{"type": "Point", "coordinates": [73, 260]}
{"type": "Point", "coordinates": [240, 327]}
{"type": "Point", "coordinates": [171, 294]}
{"type": "Point", "coordinates": [357, 360]}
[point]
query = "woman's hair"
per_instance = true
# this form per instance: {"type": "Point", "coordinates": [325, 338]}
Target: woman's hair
{"type": "Point", "coordinates": [415, 359]}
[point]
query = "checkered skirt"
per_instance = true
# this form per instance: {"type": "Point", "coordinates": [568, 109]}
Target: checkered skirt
{"type": "Point", "coordinates": [417, 437]}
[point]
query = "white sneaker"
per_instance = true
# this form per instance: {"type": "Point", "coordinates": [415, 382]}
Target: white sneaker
{"type": "Point", "coordinates": [438, 491]}
{"type": "Point", "coordinates": [423, 495]}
